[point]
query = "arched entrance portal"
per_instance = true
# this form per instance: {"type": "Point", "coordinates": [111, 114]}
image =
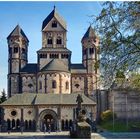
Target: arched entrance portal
{"type": "Point", "coordinates": [48, 118]}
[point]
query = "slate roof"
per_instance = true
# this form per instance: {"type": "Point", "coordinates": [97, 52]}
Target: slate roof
{"type": "Point", "coordinates": [46, 99]}
{"type": "Point", "coordinates": [77, 68]}
{"type": "Point", "coordinates": [56, 65]}
{"type": "Point", "coordinates": [55, 15]}
{"type": "Point", "coordinates": [29, 68]}
{"type": "Point", "coordinates": [89, 33]}
{"type": "Point", "coordinates": [18, 32]}
{"type": "Point", "coordinates": [54, 50]}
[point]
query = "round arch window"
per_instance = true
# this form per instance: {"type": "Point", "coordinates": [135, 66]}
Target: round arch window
{"type": "Point", "coordinates": [13, 113]}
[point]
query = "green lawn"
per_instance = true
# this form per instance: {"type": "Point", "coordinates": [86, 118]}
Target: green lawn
{"type": "Point", "coordinates": [119, 126]}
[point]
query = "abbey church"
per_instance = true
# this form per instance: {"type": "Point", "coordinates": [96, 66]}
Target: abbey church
{"type": "Point", "coordinates": [45, 92]}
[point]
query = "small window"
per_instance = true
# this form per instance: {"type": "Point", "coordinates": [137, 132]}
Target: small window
{"type": "Point", "coordinates": [54, 24]}
{"type": "Point", "coordinates": [67, 85]}
{"type": "Point", "coordinates": [15, 49]}
{"type": "Point", "coordinates": [53, 84]}
{"type": "Point", "coordinates": [23, 50]}
{"type": "Point", "coordinates": [59, 41]}
{"type": "Point", "coordinates": [13, 113]}
{"type": "Point", "coordinates": [40, 55]}
{"type": "Point", "coordinates": [30, 85]}
{"type": "Point", "coordinates": [77, 85]}
{"type": "Point", "coordinates": [40, 85]}
{"type": "Point", "coordinates": [91, 50]}
{"type": "Point", "coordinates": [64, 56]}
{"type": "Point", "coordinates": [49, 41]}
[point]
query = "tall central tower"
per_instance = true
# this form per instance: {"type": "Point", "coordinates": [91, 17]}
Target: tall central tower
{"type": "Point", "coordinates": [54, 32]}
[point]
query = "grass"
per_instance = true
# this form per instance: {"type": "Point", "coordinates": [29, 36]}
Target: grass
{"type": "Point", "coordinates": [119, 126]}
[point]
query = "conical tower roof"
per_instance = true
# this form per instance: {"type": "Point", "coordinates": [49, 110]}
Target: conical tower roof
{"type": "Point", "coordinates": [18, 32]}
{"type": "Point", "coordinates": [54, 14]}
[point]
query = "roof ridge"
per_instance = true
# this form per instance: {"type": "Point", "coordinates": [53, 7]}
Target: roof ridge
{"type": "Point", "coordinates": [17, 31]}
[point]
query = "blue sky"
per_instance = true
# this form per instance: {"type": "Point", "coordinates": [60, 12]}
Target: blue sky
{"type": "Point", "coordinates": [30, 15]}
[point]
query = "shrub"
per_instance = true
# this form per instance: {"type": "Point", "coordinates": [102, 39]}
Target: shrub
{"type": "Point", "coordinates": [107, 115]}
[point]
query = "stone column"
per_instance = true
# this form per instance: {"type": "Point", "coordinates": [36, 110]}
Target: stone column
{"type": "Point", "coordinates": [22, 120]}
{"type": "Point", "coordinates": [37, 119]}
{"type": "Point", "coordinates": [59, 117]}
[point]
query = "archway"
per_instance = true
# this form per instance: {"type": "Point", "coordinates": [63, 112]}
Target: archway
{"type": "Point", "coordinates": [48, 117]}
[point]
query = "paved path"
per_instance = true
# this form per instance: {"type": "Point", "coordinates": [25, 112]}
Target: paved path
{"type": "Point", "coordinates": [65, 135]}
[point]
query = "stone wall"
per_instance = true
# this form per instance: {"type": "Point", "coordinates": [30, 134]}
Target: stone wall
{"type": "Point", "coordinates": [126, 104]}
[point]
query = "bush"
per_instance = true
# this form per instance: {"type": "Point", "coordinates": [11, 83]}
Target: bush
{"type": "Point", "coordinates": [107, 115]}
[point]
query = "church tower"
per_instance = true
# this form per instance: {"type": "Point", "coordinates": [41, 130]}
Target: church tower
{"type": "Point", "coordinates": [54, 30]}
{"type": "Point", "coordinates": [90, 58]}
{"type": "Point", "coordinates": [17, 58]}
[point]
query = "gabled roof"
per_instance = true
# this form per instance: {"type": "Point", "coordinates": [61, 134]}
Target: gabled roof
{"type": "Point", "coordinates": [18, 32]}
{"type": "Point", "coordinates": [54, 14]}
{"type": "Point", "coordinates": [56, 65]}
{"type": "Point", "coordinates": [47, 49]}
{"type": "Point", "coordinates": [48, 99]}
{"type": "Point", "coordinates": [90, 33]}
{"type": "Point", "coordinates": [29, 68]}
{"type": "Point", "coordinates": [77, 68]}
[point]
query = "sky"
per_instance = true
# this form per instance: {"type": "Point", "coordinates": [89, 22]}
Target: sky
{"type": "Point", "coordinates": [30, 15]}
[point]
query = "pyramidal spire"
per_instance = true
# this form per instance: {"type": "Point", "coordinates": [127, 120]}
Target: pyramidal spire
{"type": "Point", "coordinates": [89, 33]}
{"type": "Point", "coordinates": [18, 32]}
{"type": "Point", "coordinates": [54, 14]}
{"type": "Point", "coordinates": [54, 8]}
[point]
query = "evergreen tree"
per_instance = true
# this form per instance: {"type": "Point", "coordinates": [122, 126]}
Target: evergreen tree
{"type": "Point", "coordinates": [3, 97]}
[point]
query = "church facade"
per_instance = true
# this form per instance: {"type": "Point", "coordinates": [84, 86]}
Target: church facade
{"type": "Point", "coordinates": [45, 92]}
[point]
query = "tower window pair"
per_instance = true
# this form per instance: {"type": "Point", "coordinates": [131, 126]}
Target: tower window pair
{"type": "Point", "coordinates": [43, 55]}
{"type": "Point", "coordinates": [58, 41]}
{"type": "Point", "coordinates": [64, 56]}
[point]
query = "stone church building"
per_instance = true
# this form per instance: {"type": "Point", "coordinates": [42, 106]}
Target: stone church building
{"type": "Point", "coordinates": [45, 92]}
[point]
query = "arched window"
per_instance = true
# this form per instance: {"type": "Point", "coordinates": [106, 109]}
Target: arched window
{"type": "Point", "coordinates": [91, 50]}
{"type": "Point", "coordinates": [26, 124]}
{"type": "Point", "coordinates": [30, 85]}
{"type": "Point", "coordinates": [40, 85]}
{"type": "Point", "coordinates": [13, 124]}
{"type": "Point", "coordinates": [54, 24]}
{"type": "Point", "coordinates": [8, 124]}
{"type": "Point", "coordinates": [77, 85]}
{"type": "Point", "coordinates": [63, 124]}
{"type": "Point", "coordinates": [67, 85]}
{"type": "Point", "coordinates": [18, 124]}
{"type": "Point", "coordinates": [70, 123]}
{"type": "Point", "coordinates": [30, 124]}
{"type": "Point", "coordinates": [54, 84]}
{"type": "Point", "coordinates": [15, 49]}
{"type": "Point", "coordinates": [59, 41]}
{"type": "Point", "coordinates": [49, 41]}
{"type": "Point", "coordinates": [67, 124]}
{"type": "Point", "coordinates": [34, 125]}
